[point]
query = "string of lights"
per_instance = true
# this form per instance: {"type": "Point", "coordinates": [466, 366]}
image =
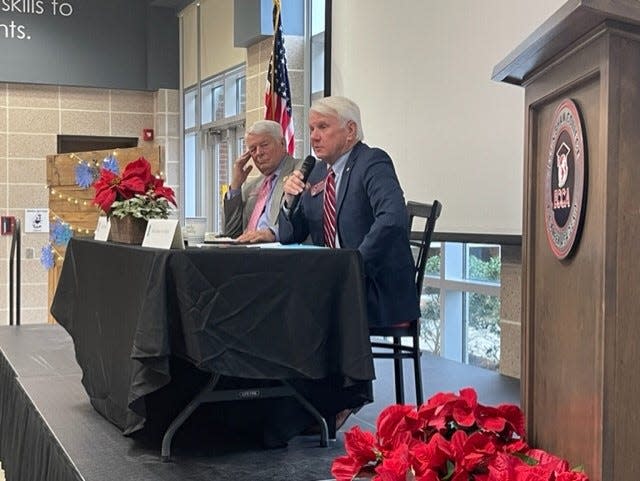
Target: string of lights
{"type": "Point", "coordinates": [86, 174]}
{"type": "Point", "coordinates": [79, 230]}
{"type": "Point", "coordinates": [69, 198]}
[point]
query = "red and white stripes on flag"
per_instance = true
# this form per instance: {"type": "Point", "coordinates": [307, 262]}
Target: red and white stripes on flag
{"type": "Point", "coordinates": [278, 95]}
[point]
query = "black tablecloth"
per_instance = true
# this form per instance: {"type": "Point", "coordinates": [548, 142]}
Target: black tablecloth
{"type": "Point", "coordinates": [250, 313]}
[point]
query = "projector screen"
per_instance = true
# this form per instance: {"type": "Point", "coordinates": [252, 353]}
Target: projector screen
{"type": "Point", "coordinates": [421, 74]}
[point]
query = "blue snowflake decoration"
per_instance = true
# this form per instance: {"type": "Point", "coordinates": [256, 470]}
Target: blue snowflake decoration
{"type": "Point", "coordinates": [60, 233]}
{"type": "Point", "coordinates": [86, 174]}
{"type": "Point", "coordinates": [111, 164]}
{"type": "Point", "coordinates": [47, 257]}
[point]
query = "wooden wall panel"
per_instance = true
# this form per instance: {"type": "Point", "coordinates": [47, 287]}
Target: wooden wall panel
{"type": "Point", "coordinates": [73, 204]}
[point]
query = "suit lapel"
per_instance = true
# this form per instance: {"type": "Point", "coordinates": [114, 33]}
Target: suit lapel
{"type": "Point", "coordinates": [288, 165]}
{"type": "Point", "coordinates": [346, 175]}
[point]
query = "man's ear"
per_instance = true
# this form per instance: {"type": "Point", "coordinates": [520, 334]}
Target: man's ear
{"type": "Point", "coordinates": [352, 130]}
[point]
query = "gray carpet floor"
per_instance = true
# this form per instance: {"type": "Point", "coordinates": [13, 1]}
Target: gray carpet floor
{"type": "Point", "coordinates": [101, 453]}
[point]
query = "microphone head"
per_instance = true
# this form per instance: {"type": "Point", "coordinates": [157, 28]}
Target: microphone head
{"type": "Point", "coordinates": [305, 169]}
{"type": "Point", "coordinates": [307, 166]}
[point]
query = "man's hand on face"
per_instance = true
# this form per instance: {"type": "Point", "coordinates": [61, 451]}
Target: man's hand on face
{"type": "Point", "coordinates": [240, 171]}
{"type": "Point", "coordinates": [264, 235]}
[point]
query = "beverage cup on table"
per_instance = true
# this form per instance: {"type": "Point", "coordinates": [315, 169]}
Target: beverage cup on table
{"type": "Point", "coordinates": [194, 229]}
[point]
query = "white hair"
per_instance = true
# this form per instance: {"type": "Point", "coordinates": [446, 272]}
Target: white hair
{"type": "Point", "coordinates": [341, 107]}
{"type": "Point", "coordinates": [268, 127]}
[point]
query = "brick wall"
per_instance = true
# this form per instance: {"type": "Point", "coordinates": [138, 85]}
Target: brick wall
{"type": "Point", "coordinates": [31, 117]}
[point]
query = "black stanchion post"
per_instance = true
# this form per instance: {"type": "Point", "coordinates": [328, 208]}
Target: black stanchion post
{"type": "Point", "coordinates": [14, 275]}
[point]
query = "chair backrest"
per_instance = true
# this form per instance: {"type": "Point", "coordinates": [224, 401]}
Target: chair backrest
{"type": "Point", "coordinates": [430, 212]}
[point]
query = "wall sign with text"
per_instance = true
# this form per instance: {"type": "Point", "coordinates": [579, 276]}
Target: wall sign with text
{"type": "Point", "coordinates": [122, 44]}
{"type": "Point", "coordinates": [565, 180]}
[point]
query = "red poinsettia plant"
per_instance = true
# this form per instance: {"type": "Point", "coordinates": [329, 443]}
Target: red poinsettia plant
{"type": "Point", "coordinates": [136, 192]}
{"type": "Point", "coordinates": [449, 438]}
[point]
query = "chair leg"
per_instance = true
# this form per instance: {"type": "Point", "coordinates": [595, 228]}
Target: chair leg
{"type": "Point", "coordinates": [417, 369]}
{"type": "Point", "coordinates": [331, 425]}
{"type": "Point", "coordinates": [398, 373]}
{"type": "Point", "coordinates": [417, 372]}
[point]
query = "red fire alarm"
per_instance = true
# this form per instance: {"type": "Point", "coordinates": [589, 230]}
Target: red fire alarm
{"type": "Point", "coordinates": [147, 134]}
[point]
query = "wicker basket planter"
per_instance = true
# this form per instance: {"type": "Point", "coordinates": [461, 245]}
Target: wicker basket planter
{"type": "Point", "coordinates": [128, 230]}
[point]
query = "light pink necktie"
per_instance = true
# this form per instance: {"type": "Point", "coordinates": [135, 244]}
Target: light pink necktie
{"type": "Point", "coordinates": [329, 209]}
{"type": "Point", "coordinates": [261, 203]}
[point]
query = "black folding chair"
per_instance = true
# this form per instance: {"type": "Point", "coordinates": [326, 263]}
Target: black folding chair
{"type": "Point", "coordinates": [395, 349]}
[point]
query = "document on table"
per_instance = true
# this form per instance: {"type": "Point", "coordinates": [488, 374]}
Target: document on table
{"type": "Point", "coordinates": [220, 240]}
{"type": "Point", "coordinates": [277, 245]}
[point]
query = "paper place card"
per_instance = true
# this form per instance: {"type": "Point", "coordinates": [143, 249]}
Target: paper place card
{"type": "Point", "coordinates": [102, 229]}
{"type": "Point", "coordinates": [163, 234]}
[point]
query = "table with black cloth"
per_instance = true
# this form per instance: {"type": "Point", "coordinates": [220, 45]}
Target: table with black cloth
{"type": "Point", "coordinates": [151, 325]}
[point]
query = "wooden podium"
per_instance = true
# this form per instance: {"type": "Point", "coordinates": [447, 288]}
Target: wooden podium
{"type": "Point", "coordinates": [581, 314]}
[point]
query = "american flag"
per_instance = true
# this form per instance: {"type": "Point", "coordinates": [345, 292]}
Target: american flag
{"type": "Point", "coordinates": [278, 96]}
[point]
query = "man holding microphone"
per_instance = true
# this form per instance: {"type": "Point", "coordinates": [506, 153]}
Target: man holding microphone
{"type": "Point", "coordinates": [352, 199]}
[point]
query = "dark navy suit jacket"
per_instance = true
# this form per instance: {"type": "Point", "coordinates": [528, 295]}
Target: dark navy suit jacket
{"type": "Point", "coordinates": [372, 217]}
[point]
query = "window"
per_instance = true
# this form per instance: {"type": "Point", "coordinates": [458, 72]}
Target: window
{"type": "Point", "coordinates": [317, 48]}
{"type": "Point", "coordinates": [214, 107]}
{"type": "Point", "coordinates": [190, 114]}
{"type": "Point", "coordinates": [214, 118]}
{"type": "Point", "coordinates": [190, 174]}
{"type": "Point", "coordinates": [460, 303]}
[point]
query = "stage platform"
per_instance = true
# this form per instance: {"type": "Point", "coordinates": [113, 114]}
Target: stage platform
{"type": "Point", "coordinates": [50, 432]}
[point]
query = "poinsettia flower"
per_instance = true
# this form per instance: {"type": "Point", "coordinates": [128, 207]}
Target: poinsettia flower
{"type": "Point", "coordinates": [507, 467]}
{"type": "Point", "coordinates": [572, 476]}
{"type": "Point", "coordinates": [345, 468]}
{"type": "Point", "coordinates": [431, 456]}
{"type": "Point", "coordinates": [361, 445]}
{"type": "Point", "coordinates": [516, 446]}
{"type": "Point", "coordinates": [437, 411]}
{"type": "Point", "coordinates": [110, 187]}
{"type": "Point", "coordinates": [464, 408]}
{"type": "Point", "coordinates": [134, 180]}
{"type": "Point", "coordinates": [515, 417]}
{"type": "Point", "coordinates": [392, 423]}
{"type": "Point", "coordinates": [160, 190]}
{"type": "Point", "coordinates": [532, 473]}
{"type": "Point", "coordinates": [428, 476]}
{"type": "Point", "coordinates": [552, 462]}
{"type": "Point", "coordinates": [506, 419]}
{"type": "Point", "coordinates": [472, 452]}
{"type": "Point", "coordinates": [105, 190]}
{"type": "Point", "coordinates": [140, 170]}
{"type": "Point", "coordinates": [395, 467]}
{"type": "Point", "coordinates": [453, 438]}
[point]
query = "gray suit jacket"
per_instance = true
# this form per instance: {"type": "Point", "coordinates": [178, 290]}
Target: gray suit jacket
{"type": "Point", "coordinates": [238, 209]}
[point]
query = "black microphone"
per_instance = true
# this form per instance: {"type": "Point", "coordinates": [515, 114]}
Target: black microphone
{"type": "Point", "coordinates": [305, 169]}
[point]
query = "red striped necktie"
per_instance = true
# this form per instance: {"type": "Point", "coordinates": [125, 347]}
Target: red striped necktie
{"type": "Point", "coordinates": [329, 209]}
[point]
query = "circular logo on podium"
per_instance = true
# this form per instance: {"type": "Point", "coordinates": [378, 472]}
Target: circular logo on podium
{"type": "Point", "coordinates": [564, 185]}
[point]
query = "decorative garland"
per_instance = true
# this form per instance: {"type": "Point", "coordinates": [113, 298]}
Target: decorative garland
{"type": "Point", "coordinates": [86, 173]}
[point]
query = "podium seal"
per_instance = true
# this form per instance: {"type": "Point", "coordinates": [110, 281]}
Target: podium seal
{"type": "Point", "coordinates": [564, 184]}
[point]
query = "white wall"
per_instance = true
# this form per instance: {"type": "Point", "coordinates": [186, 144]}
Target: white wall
{"type": "Point", "coordinates": [217, 52]}
{"type": "Point", "coordinates": [421, 72]}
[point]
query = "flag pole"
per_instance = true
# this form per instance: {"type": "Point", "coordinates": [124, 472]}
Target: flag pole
{"type": "Point", "coordinates": [276, 21]}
